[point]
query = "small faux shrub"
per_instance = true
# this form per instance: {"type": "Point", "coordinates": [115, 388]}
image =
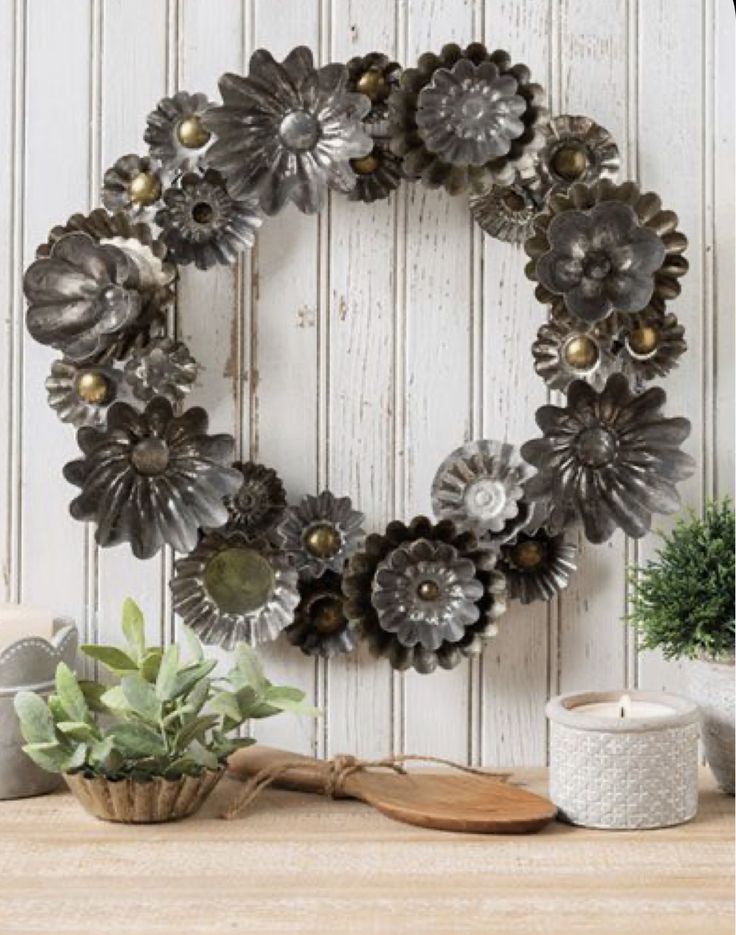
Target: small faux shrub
{"type": "Point", "coordinates": [684, 599]}
{"type": "Point", "coordinates": [162, 716]}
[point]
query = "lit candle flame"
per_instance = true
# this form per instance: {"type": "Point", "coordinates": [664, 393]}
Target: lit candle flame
{"type": "Point", "coordinates": [625, 709]}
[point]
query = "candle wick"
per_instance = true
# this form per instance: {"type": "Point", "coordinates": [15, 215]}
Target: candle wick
{"type": "Point", "coordinates": [622, 711]}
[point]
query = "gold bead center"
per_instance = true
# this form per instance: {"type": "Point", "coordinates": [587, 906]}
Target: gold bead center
{"type": "Point", "coordinates": [428, 590]}
{"type": "Point", "coordinates": [581, 352]}
{"type": "Point", "coordinates": [323, 541]}
{"type": "Point", "coordinates": [327, 615]}
{"type": "Point", "coordinates": [570, 162]}
{"type": "Point", "coordinates": [144, 188]}
{"type": "Point", "coordinates": [92, 387]}
{"type": "Point", "coordinates": [644, 340]}
{"type": "Point", "coordinates": [528, 555]}
{"type": "Point", "coordinates": [192, 133]}
{"type": "Point", "coordinates": [373, 84]}
{"type": "Point", "coordinates": [367, 165]}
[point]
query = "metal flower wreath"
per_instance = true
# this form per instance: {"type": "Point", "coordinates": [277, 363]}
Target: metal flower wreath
{"type": "Point", "coordinates": [606, 259]}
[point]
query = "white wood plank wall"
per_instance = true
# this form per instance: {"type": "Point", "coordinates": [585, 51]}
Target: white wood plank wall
{"type": "Point", "coordinates": [356, 349]}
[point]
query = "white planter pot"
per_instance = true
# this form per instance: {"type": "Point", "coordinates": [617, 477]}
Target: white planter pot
{"type": "Point", "coordinates": [711, 686]}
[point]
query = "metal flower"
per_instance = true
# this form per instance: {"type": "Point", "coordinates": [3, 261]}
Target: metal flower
{"type": "Point", "coordinates": [82, 395]}
{"type": "Point", "coordinates": [320, 627]}
{"type": "Point", "coordinates": [231, 589]}
{"type": "Point", "coordinates": [258, 503]}
{"type": "Point", "coordinates": [83, 297]}
{"type": "Point", "coordinates": [609, 458]}
{"type": "Point", "coordinates": [287, 131]}
{"type": "Point", "coordinates": [426, 594]}
{"type": "Point", "coordinates": [566, 349]}
{"type": "Point", "coordinates": [426, 145]}
{"type": "Point", "coordinates": [606, 247]}
{"type": "Point", "coordinates": [469, 114]}
{"type": "Point", "coordinates": [538, 566]}
{"type": "Point", "coordinates": [175, 133]}
{"type": "Point", "coordinates": [506, 212]}
{"type": "Point", "coordinates": [652, 346]}
{"type": "Point", "coordinates": [320, 533]}
{"type": "Point", "coordinates": [480, 487]}
{"type": "Point", "coordinates": [371, 603]}
{"type": "Point", "coordinates": [375, 76]}
{"type": "Point", "coordinates": [133, 184]}
{"type": "Point", "coordinates": [152, 478]}
{"type": "Point", "coordinates": [162, 368]}
{"type": "Point", "coordinates": [576, 149]}
{"type": "Point", "coordinates": [148, 255]}
{"type": "Point", "coordinates": [202, 224]}
{"type": "Point", "coordinates": [377, 175]}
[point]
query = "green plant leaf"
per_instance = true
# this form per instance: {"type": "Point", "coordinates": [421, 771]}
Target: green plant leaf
{"type": "Point", "coordinates": [226, 703]}
{"type": "Point", "coordinates": [79, 731]}
{"type": "Point", "coordinates": [137, 740]}
{"type": "Point", "coordinates": [141, 697]}
{"type": "Point", "coordinates": [93, 692]}
{"type": "Point", "coordinates": [197, 697]}
{"type": "Point", "coordinates": [166, 679]}
{"type": "Point", "coordinates": [49, 756]}
{"type": "Point", "coordinates": [36, 721]}
{"type": "Point", "coordinates": [151, 663]}
{"type": "Point", "coordinates": [187, 678]}
{"type": "Point", "coordinates": [290, 699]}
{"type": "Point", "coordinates": [194, 730]}
{"type": "Point", "coordinates": [227, 746]}
{"type": "Point", "coordinates": [111, 657]}
{"type": "Point", "coordinates": [193, 643]}
{"type": "Point", "coordinates": [203, 756]}
{"type": "Point", "coordinates": [114, 700]}
{"type": "Point", "coordinates": [57, 709]}
{"type": "Point", "coordinates": [263, 710]}
{"type": "Point", "coordinates": [70, 694]}
{"type": "Point", "coordinates": [249, 666]}
{"type": "Point", "coordinates": [134, 628]}
{"type": "Point", "coordinates": [100, 752]}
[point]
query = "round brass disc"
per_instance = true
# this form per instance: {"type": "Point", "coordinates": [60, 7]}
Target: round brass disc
{"type": "Point", "coordinates": [144, 188]}
{"type": "Point", "coordinates": [327, 615]}
{"type": "Point", "coordinates": [529, 555]}
{"type": "Point", "coordinates": [644, 340]}
{"type": "Point", "coordinates": [191, 133]}
{"type": "Point", "coordinates": [92, 387]}
{"type": "Point", "coordinates": [367, 165]}
{"type": "Point", "coordinates": [428, 590]}
{"type": "Point", "coordinates": [239, 580]}
{"type": "Point", "coordinates": [570, 162]}
{"type": "Point", "coordinates": [323, 541]}
{"type": "Point", "coordinates": [373, 84]}
{"type": "Point", "coordinates": [150, 456]}
{"type": "Point", "coordinates": [581, 352]}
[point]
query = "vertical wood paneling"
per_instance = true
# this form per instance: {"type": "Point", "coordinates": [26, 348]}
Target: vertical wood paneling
{"type": "Point", "coordinates": [592, 638]}
{"type": "Point", "coordinates": [133, 76]}
{"type": "Point", "coordinates": [671, 153]}
{"type": "Point", "coordinates": [514, 665]}
{"type": "Point", "coordinates": [361, 420]}
{"type": "Point", "coordinates": [438, 384]}
{"type": "Point", "coordinates": [57, 171]}
{"type": "Point", "coordinates": [357, 349]}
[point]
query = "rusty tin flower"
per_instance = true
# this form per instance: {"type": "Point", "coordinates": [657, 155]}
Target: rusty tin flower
{"type": "Point", "coordinates": [651, 346]}
{"type": "Point", "coordinates": [506, 212]}
{"type": "Point", "coordinates": [320, 627]}
{"type": "Point", "coordinates": [377, 175]}
{"type": "Point", "coordinates": [375, 76]}
{"type": "Point", "coordinates": [567, 349]}
{"type": "Point", "coordinates": [288, 131]}
{"type": "Point", "coordinates": [610, 459]}
{"type": "Point", "coordinates": [176, 134]}
{"type": "Point", "coordinates": [320, 533]}
{"type": "Point", "coordinates": [576, 149]}
{"type": "Point", "coordinates": [537, 567]}
{"type": "Point", "coordinates": [133, 184]}
{"type": "Point", "coordinates": [233, 589]}
{"type": "Point", "coordinates": [152, 478]}
{"type": "Point", "coordinates": [259, 502]}
{"type": "Point", "coordinates": [162, 368]}
{"type": "Point", "coordinates": [82, 395]}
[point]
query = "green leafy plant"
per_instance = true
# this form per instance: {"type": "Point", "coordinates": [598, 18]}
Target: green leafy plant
{"type": "Point", "coordinates": [161, 716]}
{"type": "Point", "coordinates": [684, 599]}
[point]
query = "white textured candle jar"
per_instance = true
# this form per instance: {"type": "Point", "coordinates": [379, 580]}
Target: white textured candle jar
{"type": "Point", "coordinates": [621, 760]}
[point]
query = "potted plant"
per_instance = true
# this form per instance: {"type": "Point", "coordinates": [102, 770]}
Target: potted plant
{"type": "Point", "coordinates": [684, 604]}
{"type": "Point", "coordinates": [153, 744]}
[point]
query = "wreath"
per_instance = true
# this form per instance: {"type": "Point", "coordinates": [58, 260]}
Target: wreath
{"type": "Point", "coordinates": [606, 259]}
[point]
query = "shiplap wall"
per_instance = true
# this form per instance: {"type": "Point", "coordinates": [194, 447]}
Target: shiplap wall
{"type": "Point", "coordinates": [357, 349]}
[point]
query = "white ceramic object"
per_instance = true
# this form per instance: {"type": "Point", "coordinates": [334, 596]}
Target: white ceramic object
{"type": "Point", "coordinates": [624, 772]}
{"type": "Point", "coordinates": [711, 686]}
{"type": "Point", "coordinates": [29, 664]}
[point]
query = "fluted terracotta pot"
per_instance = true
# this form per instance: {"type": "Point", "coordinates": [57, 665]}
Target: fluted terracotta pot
{"type": "Point", "coordinates": [711, 686]}
{"type": "Point", "coordinates": [136, 801]}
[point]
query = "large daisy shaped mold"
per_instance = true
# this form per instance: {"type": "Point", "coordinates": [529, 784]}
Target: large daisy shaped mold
{"type": "Point", "coordinates": [288, 131]}
{"type": "Point", "coordinates": [610, 459]}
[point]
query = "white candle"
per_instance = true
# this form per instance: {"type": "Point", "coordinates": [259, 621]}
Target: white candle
{"type": "Point", "coordinates": [19, 621]}
{"type": "Point", "coordinates": [624, 707]}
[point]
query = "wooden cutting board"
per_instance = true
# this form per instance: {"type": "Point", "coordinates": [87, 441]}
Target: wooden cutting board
{"type": "Point", "coordinates": [446, 801]}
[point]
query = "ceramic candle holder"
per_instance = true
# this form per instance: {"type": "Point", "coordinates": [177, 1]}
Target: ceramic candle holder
{"type": "Point", "coordinates": [623, 761]}
{"type": "Point", "coordinates": [29, 663]}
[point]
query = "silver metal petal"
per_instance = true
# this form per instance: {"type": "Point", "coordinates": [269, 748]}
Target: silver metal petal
{"type": "Point", "coordinates": [82, 395]}
{"type": "Point", "coordinates": [537, 567]}
{"type": "Point", "coordinates": [576, 149]}
{"type": "Point", "coordinates": [133, 184]}
{"type": "Point", "coordinates": [162, 368]}
{"type": "Point", "coordinates": [566, 349]}
{"type": "Point", "coordinates": [320, 626]}
{"type": "Point", "coordinates": [175, 133]}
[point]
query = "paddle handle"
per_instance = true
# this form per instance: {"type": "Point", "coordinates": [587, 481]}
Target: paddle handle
{"type": "Point", "coordinates": [308, 776]}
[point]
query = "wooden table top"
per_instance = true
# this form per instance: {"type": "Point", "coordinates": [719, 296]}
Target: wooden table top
{"type": "Point", "coordinates": [303, 864]}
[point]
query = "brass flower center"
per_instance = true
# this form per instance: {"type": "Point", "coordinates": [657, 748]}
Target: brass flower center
{"type": "Point", "coordinates": [150, 456]}
{"type": "Point", "coordinates": [299, 131]}
{"type": "Point", "coordinates": [203, 212]}
{"type": "Point", "coordinates": [144, 188]}
{"type": "Point", "coordinates": [323, 541]}
{"type": "Point", "coordinates": [644, 340]}
{"type": "Point", "coordinates": [191, 133]}
{"type": "Point", "coordinates": [513, 200]}
{"type": "Point", "coordinates": [570, 162]}
{"type": "Point", "coordinates": [367, 165]}
{"type": "Point", "coordinates": [327, 615]}
{"type": "Point", "coordinates": [581, 352]}
{"type": "Point", "coordinates": [428, 590]}
{"type": "Point", "coordinates": [595, 447]}
{"type": "Point", "coordinates": [373, 84]}
{"type": "Point", "coordinates": [529, 555]}
{"type": "Point", "coordinates": [92, 387]}
{"type": "Point", "coordinates": [239, 580]}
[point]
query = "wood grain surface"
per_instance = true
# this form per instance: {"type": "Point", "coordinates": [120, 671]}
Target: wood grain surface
{"type": "Point", "coordinates": [299, 864]}
{"type": "Point", "coordinates": [356, 349]}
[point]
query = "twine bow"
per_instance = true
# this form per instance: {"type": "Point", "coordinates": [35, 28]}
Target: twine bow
{"type": "Point", "coordinates": [336, 771]}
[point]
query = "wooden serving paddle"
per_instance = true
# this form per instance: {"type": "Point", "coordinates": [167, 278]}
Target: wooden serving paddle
{"type": "Point", "coordinates": [468, 801]}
